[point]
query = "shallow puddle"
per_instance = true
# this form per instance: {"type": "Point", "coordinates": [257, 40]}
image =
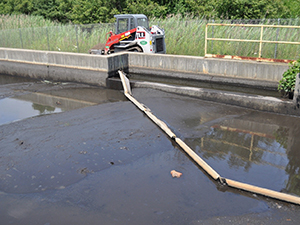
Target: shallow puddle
{"type": "Point", "coordinates": [14, 109]}
{"type": "Point", "coordinates": [255, 156]}
{"type": "Point", "coordinates": [28, 103]}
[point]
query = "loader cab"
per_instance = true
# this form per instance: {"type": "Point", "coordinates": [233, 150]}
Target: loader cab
{"type": "Point", "coordinates": [127, 22]}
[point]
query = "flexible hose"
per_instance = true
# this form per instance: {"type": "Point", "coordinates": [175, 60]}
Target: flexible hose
{"type": "Point", "coordinates": [198, 159]}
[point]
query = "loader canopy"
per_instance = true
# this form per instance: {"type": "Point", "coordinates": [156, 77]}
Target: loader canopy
{"type": "Point", "coordinates": [127, 22]}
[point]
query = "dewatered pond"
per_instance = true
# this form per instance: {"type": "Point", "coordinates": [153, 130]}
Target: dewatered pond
{"type": "Point", "coordinates": [107, 163]}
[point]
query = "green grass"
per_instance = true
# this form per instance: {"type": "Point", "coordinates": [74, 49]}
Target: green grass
{"type": "Point", "coordinates": [23, 21]}
{"type": "Point", "coordinates": [66, 38]}
{"type": "Point", "coordinates": [184, 36]}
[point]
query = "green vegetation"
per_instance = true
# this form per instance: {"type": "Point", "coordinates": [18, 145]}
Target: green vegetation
{"type": "Point", "coordinates": [49, 25]}
{"type": "Point", "coordinates": [67, 38]}
{"type": "Point", "coordinates": [23, 21]}
{"type": "Point", "coordinates": [184, 36]}
{"type": "Point", "coordinates": [287, 83]}
{"type": "Point", "coordinates": [95, 11]}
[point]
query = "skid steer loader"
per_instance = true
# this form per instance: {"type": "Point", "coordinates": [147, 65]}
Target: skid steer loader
{"type": "Point", "coordinates": [132, 34]}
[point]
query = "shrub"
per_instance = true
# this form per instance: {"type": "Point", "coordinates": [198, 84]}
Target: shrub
{"type": "Point", "coordinates": [287, 83]}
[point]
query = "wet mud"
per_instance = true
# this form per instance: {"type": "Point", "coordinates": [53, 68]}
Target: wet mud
{"type": "Point", "coordinates": [107, 163]}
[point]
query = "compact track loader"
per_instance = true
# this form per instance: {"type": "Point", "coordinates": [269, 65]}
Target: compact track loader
{"type": "Point", "coordinates": [132, 34]}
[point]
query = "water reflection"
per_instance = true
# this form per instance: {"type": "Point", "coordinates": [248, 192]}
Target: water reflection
{"type": "Point", "coordinates": [14, 109]}
{"type": "Point", "coordinates": [263, 154]}
{"type": "Point", "coordinates": [43, 109]}
{"type": "Point", "coordinates": [293, 167]}
{"type": "Point", "coordinates": [6, 79]}
{"type": "Point", "coordinates": [39, 103]}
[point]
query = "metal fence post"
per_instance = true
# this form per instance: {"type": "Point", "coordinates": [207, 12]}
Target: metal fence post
{"type": "Point", "coordinates": [277, 34]}
{"type": "Point", "coordinates": [47, 38]}
{"type": "Point", "coordinates": [205, 47]}
{"type": "Point", "coordinates": [212, 42]}
{"type": "Point", "coordinates": [260, 42]}
{"type": "Point", "coordinates": [21, 37]}
{"type": "Point", "coordinates": [77, 38]}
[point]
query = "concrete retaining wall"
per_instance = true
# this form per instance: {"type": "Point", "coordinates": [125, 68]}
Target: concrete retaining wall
{"type": "Point", "coordinates": [94, 69]}
{"type": "Point", "coordinates": [61, 66]}
{"type": "Point", "coordinates": [240, 72]}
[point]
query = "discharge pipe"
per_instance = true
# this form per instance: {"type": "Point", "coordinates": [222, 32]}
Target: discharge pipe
{"type": "Point", "coordinates": [208, 169]}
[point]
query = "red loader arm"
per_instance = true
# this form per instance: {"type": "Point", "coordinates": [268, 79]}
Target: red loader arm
{"type": "Point", "coordinates": [116, 38]}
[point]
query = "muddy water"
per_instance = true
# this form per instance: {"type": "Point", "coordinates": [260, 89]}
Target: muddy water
{"type": "Point", "coordinates": [250, 146]}
{"type": "Point", "coordinates": [108, 164]}
{"type": "Point", "coordinates": [27, 99]}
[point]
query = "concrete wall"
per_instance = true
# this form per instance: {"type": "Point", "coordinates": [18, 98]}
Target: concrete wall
{"type": "Point", "coordinates": [296, 98]}
{"type": "Point", "coordinates": [247, 73]}
{"type": "Point", "coordinates": [61, 66]}
{"type": "Point", "coordinates": [94, 69]}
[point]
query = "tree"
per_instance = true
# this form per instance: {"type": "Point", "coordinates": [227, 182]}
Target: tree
{"type": "Point", "coordinates": [6, 7]}
{"type": "Point", "coordinates": [49, 9]}
{"type": "Point", "coordinates": [23, 6]}
{"type": "Point", "coordinates": [201, 8]}
{"type": "Point", "coordinates": [147, 7]}
{"type": "Point", "coordinates": [250, 9]}
{"type": "Point", "coordinates": [95, 11]}
{"type": "Point", "coordinates": [293, 8]}
{"type": "Point", "coordinates": [90, 11]}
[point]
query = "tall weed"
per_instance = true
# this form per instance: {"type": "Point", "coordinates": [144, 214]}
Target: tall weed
{"type": "Point", "coordinates": [23, 21]}
{"type": "Point", "coordinates": [185, 35]}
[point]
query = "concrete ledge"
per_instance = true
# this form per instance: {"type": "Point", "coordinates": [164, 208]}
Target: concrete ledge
{"type": "Point", "coordinates": [261, 103]}
{"type": "Point", "coordinates": [239, 81]}
{"type": "Point", "coordinates": [261, 74]}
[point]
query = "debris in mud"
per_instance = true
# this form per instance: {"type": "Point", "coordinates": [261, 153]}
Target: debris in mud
{"type": "Point", "coordinates": [84, 171]}
{"type": "Point", "coordinates": [83, 152]}
{"type": "Point", "coordinates": [54, 83]}
{"type": "Point", "coordinates": [61, 187]}
{"type": "Point", "coordinates": [278, 206]}
{"type": "Point", "coordinates": [176, 174]}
